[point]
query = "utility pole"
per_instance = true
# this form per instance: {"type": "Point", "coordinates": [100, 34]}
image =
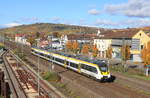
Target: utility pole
{"type": "Point", "coordinates": [38, 77]}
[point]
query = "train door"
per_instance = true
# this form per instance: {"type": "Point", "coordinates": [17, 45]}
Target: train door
{"type": "Point", "coordinates": [79, 68]}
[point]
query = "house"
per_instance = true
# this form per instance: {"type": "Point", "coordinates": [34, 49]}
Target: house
{"type": "Point", "coordinates": [102, 41]}
{"type": "Point", "coordinates": [55, 42]}
{"type": "Point", "coordinates": [21, 38]}
{"type": "Point", "coordinates": [135, 38]}
{"type": "Point", "coordinates": [43, 43]}
{"type": "Point", "coordinates": [80, 38]}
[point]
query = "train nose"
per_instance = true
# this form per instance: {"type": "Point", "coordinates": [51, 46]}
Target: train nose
{"type": "Point", "coordinates": [105, 73]}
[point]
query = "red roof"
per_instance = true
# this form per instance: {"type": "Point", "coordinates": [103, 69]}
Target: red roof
{"type": "Point", "coordinates": [81, 36]}
{"type": "Point", "coordinates": [126, 33]}
{"type": "Point", "coordinates": [20, 35]}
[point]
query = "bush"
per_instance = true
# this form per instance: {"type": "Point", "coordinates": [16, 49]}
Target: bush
{"type": "Point", "coordinates": [51, 76]}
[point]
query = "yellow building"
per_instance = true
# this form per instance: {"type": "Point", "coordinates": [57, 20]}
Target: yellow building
{"type": "Point", "coordinates": [143, 40]}
{"type": "Point", "coordinates": [135, 38]}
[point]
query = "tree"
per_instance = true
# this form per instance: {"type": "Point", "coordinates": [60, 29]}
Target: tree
{"type": "Point", "coordinates": [125, 54]}
{"type": "Point", "coordinates": [94, 51]}
{"type": "Point", "coordinates": [109, 53]}
{"type": "Point", "coordinates": [75, 46]}
{"type": "Point", "coordinates": [69, 45]}
{"type": "Point", "coordinates": [85, 49]}
{"type": "Point", "coordinates": [31, 40]}
{"type": "Point", "coordinates": [56, 34]}
{"type": "Point", "coordinates": [146, 55]}
{"type": "Point", "coordinates": [37, 34]}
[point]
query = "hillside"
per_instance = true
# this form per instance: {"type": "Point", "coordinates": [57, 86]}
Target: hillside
{"type": "Point", "coordinates": [48, 28]}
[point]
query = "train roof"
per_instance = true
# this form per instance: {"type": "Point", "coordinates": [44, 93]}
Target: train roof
{"type": "Point", "coordinates": [80, 57]}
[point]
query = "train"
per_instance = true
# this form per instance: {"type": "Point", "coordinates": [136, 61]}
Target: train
{"type": "Point", "coordinates": [95, 68]}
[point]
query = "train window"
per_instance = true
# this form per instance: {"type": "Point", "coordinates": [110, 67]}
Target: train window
{"type": "Point", "coordinates": [37, 53]}
{"type": "Point", "coordinates": [94, 69]}
{"type": "Point", "coordinates": [67, 62]}
{"type": "Point", "coordinates": [41, 54]}
{"type": "Point", "coordinates": [74, 65]}
{"type": "Point", "coordinates": [89, 68]}
{"type": "Point", "coordinates": [49, 57]}
{"type": "Point", "coordinates": [46, 55]}
{"type": "Point", "coordinates": [83, 66]}
{"type": "Point", "coordinates": [59, 60]}
{"type": "Point", "coordinates": [104, 69]}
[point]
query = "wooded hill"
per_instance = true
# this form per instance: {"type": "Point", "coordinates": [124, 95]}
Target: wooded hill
{"type": "Point", "coordinates": [48, 28]}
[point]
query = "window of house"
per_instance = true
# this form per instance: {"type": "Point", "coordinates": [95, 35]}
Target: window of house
{"type": "Point", "coordinates": [141, 46]}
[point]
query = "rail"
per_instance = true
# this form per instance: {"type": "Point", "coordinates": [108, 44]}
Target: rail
{"type": "Point", "coordinates": [15, 86]}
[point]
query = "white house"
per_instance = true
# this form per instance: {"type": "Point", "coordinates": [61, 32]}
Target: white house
{"type": "Point", "coordinates": [55, 42]}
{"type": "Point", "coordinates": [20, 38]}
{"type": "Point", "coordinates": [80, 38]}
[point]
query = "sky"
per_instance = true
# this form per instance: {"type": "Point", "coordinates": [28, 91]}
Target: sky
{"type": "Point", "coordinates": [95, 13]}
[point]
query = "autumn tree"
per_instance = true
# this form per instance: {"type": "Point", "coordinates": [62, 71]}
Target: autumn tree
{"type": "Point", "coordinates": [37, 34]}
{"type": "Point", "coordinates": [125, 54]}
{"type": "Point", "coordinates": [146, 55]}
{"type": "Point", "coordinates": [31, 40]}
{"type": "Point", "coordinates": [75, 46]}
{"type": "Point", "coordinates": [85, 49]}
{"type": "Point", "coordinates": [56, 34]}
{"type": "Point", "coordinates": [94, 51]}
{"type": "Point", "coordinates": [69, 45]}
{"type": "Point", "coordinates": [109, 53]}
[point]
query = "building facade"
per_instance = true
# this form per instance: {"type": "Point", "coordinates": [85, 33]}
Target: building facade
{"type": "Point", "coordinates": [21, 38]}
{"type": "Point", "coordinates": [102, 45]}
{"type": "Point", "coordinates": [135, 38]}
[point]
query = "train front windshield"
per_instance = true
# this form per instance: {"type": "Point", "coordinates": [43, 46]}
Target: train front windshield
{"type": "Point", "coordinates": [103, 67]}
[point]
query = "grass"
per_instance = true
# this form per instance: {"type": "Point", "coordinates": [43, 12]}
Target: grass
{"type": "Point", "coordinates": [51, 76]}
{"type": "Point", "coordinates": [1, 45]}
{"type": "Point", "coordinates": [134, 73]}
{"type": "Point", "coordinates": [138, 76]}
{"type": "Point", "coordinates": [66, 90]}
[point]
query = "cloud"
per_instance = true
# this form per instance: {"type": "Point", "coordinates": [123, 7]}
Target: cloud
{"type": "Point", "coordinates": [55, 19]}
{"type": "Point", "coordinates": [82, 22]}
{"type": "Point", "coordinates": [92, 6]}
{"type": "Point", "coordinates": [123, 23]}
{"type": "Point", "coordinates": [28, 19]}
{"type": "Point", "coordinates": [105, 22]}
{"type": "Point", "coordinates": [132, 8]}
{"type": "Point", "coordinates": [94, 12]}
{"type": "Point", "coordinates": [10, 24]}
{"type": "Point", "coordinates": [136, 22]}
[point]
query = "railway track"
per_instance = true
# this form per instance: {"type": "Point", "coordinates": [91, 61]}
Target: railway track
{"type": "Point", "coordinates": [107, 90]}
{"type": "Point", "coordinates": [43, 86]}
{"type": "Point", "coordinates": [25, 83]}
{"type": "Point", "coordinates": [15, 85]}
